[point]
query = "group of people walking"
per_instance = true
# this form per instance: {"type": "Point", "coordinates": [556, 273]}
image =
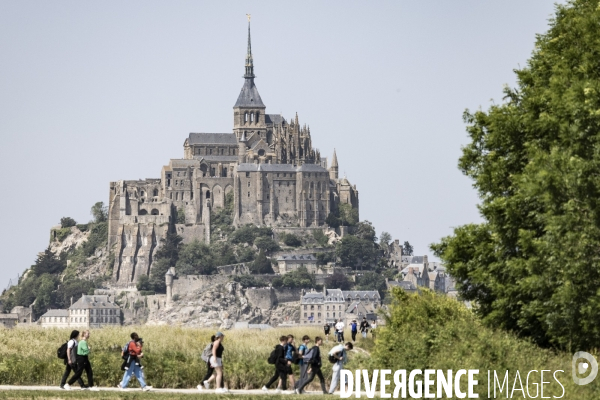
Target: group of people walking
{"type": "Point", "coordinates": [76, 358]}
{"type": "Point", "coordinates": [284, 356]}
{"type": "Point", "coordinates": [354, 327]}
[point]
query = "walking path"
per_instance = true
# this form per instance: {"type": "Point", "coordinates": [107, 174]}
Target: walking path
{"type": "Point", "coordinates": [181, 391]}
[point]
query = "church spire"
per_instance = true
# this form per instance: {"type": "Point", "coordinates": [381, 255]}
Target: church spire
{"type": "Point", "coordinates": [334, 169]}
{"type": "Point", "coordinates": [249, 63]}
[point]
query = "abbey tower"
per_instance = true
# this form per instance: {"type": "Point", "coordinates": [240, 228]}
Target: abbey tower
{"type": "Point", "coordinates": [267, 164]}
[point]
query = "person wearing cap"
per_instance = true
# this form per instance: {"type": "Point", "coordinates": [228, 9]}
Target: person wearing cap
{"type": "Point", "coordinates": [216, 361]}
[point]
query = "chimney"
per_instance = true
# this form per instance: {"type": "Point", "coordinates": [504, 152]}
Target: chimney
{"type": "Point", "coordinates": [71, 300]}
{"type": "Point", "coordinates": [324, 290]}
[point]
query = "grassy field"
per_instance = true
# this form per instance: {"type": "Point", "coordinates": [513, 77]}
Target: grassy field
{"type": "Point", "coordinates": [171, 355]}
{"type": "Point", "coordinates": [55, 395]}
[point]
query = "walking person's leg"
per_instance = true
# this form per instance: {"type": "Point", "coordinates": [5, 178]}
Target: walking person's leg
{"type": "Point", "coordinates": [77, 376]}
{"type": "Point", "coordinates": [273, 379]}
{"type": "Point", "coordinates": [219, 371]}
{"type": "Point", "coordinates": [89, 372]}
{"type": "Point", "coordinates": [68, 370]}
{"type": "Point", "coordinates": [139, 374]}
{"type": "Point", "coordinates": [309, 379]}
{"type": "Point", "coordinates": [319, 373]}
{"type": "Point", "coordinates": [126, 377]}
{"type": "Point", "coordinates": [337, 367]}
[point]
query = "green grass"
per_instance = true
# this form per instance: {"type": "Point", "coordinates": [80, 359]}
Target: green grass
{"type": "Point", "coordinates": [54, 395]}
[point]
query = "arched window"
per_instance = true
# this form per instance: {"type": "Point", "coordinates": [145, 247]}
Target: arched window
{"type": "Point", "coordinates": [251, 117]}
{"type": "Point", "coordinates": [261, 152]}
{"type": "Point", "coordinates": [143, 212]}
{"type": "Point", "coordinates": [155, 192]}
{"type": "Point", "coordinates": [257, 114]}
{"type": "Point", "coordinates": [245, 117]}
{"type": "Point", "coordinates": [142, 193]}
{"type": "Point", "coordinates": [208, 194]}
{"type": "Point", "coordinates": [154, 211]}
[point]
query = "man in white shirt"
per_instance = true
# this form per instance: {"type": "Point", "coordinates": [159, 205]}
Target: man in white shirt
{"type": "Point", "coordinates": [339, 327]}
{"type": "Point", "coordinates": [340, 353]}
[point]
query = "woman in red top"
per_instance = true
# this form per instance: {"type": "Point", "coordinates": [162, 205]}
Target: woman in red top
{"type": "Point", "coordinates": [135, 351]}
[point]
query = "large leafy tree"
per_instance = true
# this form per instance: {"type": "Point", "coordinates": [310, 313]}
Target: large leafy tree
{"type": "Point", "coordinates": [533, 265]}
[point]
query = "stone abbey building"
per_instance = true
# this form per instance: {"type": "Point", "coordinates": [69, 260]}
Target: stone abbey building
{"type": "Point", "coordinates": [269, 165]}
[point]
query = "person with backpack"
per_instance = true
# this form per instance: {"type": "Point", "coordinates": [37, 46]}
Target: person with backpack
{"type": "Point", "coordinates": [83, 363]}
{"type": "Point", "coordinates": [338, 356]}
{"type": "Point", "coordinates": [134, 352]}
{"type": "Point", "coordinates": [291, 355]}
{"type": "Point", "coordinates": [209, 377]}
{"type": "Point", "coordinates": [216, 362]}
{"type": "Point", "coordinates": [364, 327]}
{"type": "Point", "coordinates": [314, 367]}
{"type": "Point", "coordinates": [354, 329]}
{"type": "Point", "coordinates": [70, 355]}
{"type": "Point", "coordinates": [277, 358]}
{"type": "Point", "coordinates": [302, 351]}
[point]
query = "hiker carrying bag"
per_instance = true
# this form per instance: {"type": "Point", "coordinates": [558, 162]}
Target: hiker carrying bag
{"type": "Point", "coordinates": [273, 357]}
{"type": "Point", "coordinates": [207, 352]}
{"type": "Point", "coordinates": [332, 359]}
{"type": "Point", "coordinates": [62, 351]}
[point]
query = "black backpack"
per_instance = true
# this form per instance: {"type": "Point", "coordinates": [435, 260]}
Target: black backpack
{"type": "Point", "coordinates": [333, 359]}
{"type": "Point", "coordinates": [273, 357]}
{"type": "Point", "coordinates": [62, 351]}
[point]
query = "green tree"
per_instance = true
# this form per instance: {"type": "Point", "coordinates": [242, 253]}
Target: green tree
{"type": "Point", "coordinates": [180, 216]}
{"type": "Point", "coordinates": [143, 283]}
{"type": "Point", "coordinates": [365, 230]}
{"type": "Point", "coordinates": [407, 249]}
{"type": "Point", "coordinates": [166, 257]}
{"type": "Point", "coordinates": [100, 212]}
{"type": "Point", "coordinates": [348, 215]}
{"type": "Point", "coordinates": [291, 240]}
{"type": "Point", "coordinates": [320, 237]}
{"type": "Point", "coordinates": [222, 254]}
{"type": "Point", "coordinates": [67, 222]}
{"type": "Point", "coordinates": [48, 263]}
{"type": "Point", "coordinates": [266, 243]}
{"type": "Point", "coordinates": [384, 239]}
{"type": "Point", "coordinates": [338, 280]}
{"type": "Point", "coordinates": [261, 264]}
{"type": "Point", "coordinates": [371, 281]}
{"type": "Point", "coordinates": [195, 258]}
{"type": "Point", "coordinates": [299, 278]}
{"type": "Point", "coordinates": [357, 253]}
{"type": "Point", "coordinates": [532, 265]}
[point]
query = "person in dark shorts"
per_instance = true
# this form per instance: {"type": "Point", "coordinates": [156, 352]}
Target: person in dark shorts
{"type": "Point", "coordinates": [326, 329]}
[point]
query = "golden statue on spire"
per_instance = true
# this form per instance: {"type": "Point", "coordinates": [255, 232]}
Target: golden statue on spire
{"type": "Point", "coordinates": [248, 15]}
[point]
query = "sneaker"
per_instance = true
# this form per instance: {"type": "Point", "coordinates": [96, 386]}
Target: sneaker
{"type": "Point", "coordinates": [120, 387]}
{"type": "Point", "coordinates": [289, 391]}
{"type": "Point", "coordinates": [85, 388]}
{"type": "Point", "coordinates": [277, 390]}
{"type": "Point", "coordinates": [265, 389]}
{"type": "Point", "coordinates": [220, 390]}
{"type": "Point", "coordinates": [67, 387]}
{"type": "Point", "coordinates": [147, 388]}
{"type": "Point", "coordinates": [206, 385]}
{"type": "Point", "coordinates": [297, 391]}
{"type": "Point", "coordinates": [94, 389]}
{"type": "Point", "coordinates": [62, 386]}
{"type": "Point", "coordinates": [200, 387]}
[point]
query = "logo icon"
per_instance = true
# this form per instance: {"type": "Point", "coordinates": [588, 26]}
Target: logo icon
{"type": "Point", "coordinates": [581, 367]}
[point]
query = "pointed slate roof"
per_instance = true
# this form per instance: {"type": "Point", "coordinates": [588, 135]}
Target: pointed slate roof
{"type": "Point", "coordinates": [249, 96]}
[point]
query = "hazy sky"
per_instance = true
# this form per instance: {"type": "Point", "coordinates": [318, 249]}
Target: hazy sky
{"type": "Point", "coordinates": [93, 92]}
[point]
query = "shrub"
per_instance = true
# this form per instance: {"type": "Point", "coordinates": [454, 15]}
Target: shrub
{"type": "Point", "coordinates": [291, 240]}
{"type": "Point", "coordinates": [180, 216]}
{"type": "Point", "coordinates": [143, 283]}
{"type": "Point", "coordinates": [261, 264]}
{"type": "Point", "coordinates": [320, 237]}
{"type": "Point", "coordinates": [248, 234]}
{"type": "Point", "coordinates": [62, 234]}
{"type": "Point", "coordinates": [82, 227]}
{"type": "Point", "coordinates": [266, 243]}
{"type": "Point", "coordinates": [249, 281]}
{"type": "Point", "coordinates": [67, 222]}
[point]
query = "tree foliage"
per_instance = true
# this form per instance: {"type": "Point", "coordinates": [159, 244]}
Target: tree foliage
{"type": "Point", "coordinates": [407, 249]}
{"type": "Point", "coordinates": [371, 281]}
{"type": "Point", "coordinates": [266, 244]}
{"type": "Point", "coordinates": [299, 278]}
{"type": "Point", "coordinates": [261, 265]}
{"type": "Point", "coordinates": [357, 253]}
{"type": "Point", "coordinates": [532, 266]}
{"type": "Point", "coordinates": [166, 257]}
{"type": "Point", "coordinates": [248, 234]}
{"type": "Point", "coordinates": [100, 212]}
{"type": "Point", "coordinates": [48, 263]}
{"type": "Point", "coordinates": [291, 240]}
{"type": "Point", "coordinates": [67, 222]}
{"type": "Point", "coordinates": [195, 258]}
{"type": "Point", "coordinates": [338, 280]}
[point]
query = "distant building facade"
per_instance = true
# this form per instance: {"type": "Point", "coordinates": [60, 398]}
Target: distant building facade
{"type": "Point", "coordinates": [291, 262]}
{"type": "Point", "coordinates": [94, 311]}
{"type": "Point", "coordinates": [331, 305]}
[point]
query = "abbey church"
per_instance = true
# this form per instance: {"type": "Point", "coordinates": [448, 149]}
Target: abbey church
{"type": "Point", "coordinates": [267, 166]}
